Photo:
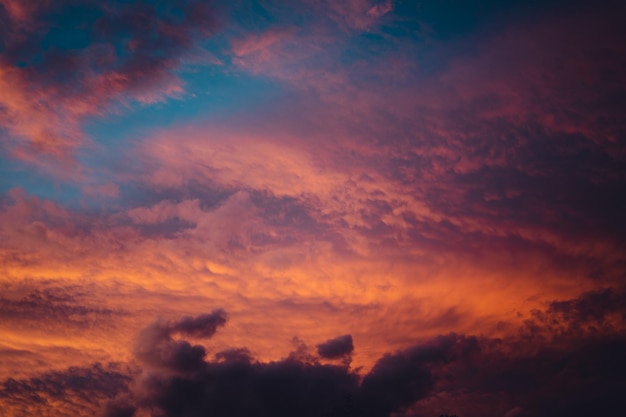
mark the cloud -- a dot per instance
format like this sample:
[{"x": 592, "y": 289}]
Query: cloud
[
  {"x": 264, "y": 252},
  {"x": 63, "y": 61},
  {"x": 75, "y": 391},
  {"x": 592, "y": 306},
  {"x": 403, "y": 189},
  {"x": 201, "y": 326},
  {"x": 398, "y": 380},
  {"x": 156, "y": 347},
  {"x": 568, "y": 365},
  {"x": 508, "y": 376},
  {"x": 234, "y": 384},
  {"x": 450, "y": 374},
  {"x": 498, "y": 142},
  {"x": 358, "y": 15},
  {"x": 594, "y": 313},
  {"x": 53, "y": 305},
  {"x": 337, "y": 348}
]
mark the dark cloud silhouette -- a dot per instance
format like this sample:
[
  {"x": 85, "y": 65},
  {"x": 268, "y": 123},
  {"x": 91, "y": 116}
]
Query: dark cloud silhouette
[
  {"x": 397, "y": 381},
  {"x": 578, "y": 379},
  {"x": 592, "y": 314},
  {"x": 591, "y": 306},
  {"x": 204, "y": 325},
  {"x": 240, "y": 388},
  {"x": 234, "y": 355},
  {"x": 452, "y": 374},
  {"x": 156, "y": 347},
  {"x": 564, "y": 362},
  {"x": 336, "y": 348},
  {"x": 178, "y": 381}
]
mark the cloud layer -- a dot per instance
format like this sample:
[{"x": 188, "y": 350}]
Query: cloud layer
[{"x": 406, "y": 207}]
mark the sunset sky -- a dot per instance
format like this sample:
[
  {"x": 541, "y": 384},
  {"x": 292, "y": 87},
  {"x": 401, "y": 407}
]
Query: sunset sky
[{"x": 307, "y": 208}]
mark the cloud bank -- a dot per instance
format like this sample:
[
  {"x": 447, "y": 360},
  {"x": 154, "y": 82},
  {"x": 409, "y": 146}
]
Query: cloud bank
[{"x": 572, "y": 373}]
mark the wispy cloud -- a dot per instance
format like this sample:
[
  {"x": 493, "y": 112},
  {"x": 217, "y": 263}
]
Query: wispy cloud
[{"x": 62, "y": 62}]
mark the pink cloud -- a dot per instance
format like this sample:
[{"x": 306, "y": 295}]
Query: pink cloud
[
  {"x": 42, "y": 111},
  {"x": 257, "y": 43},
  {"x": 187, "y": 210}
]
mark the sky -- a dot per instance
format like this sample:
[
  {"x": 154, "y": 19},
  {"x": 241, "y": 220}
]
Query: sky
[{"x": 351, "y": 208}]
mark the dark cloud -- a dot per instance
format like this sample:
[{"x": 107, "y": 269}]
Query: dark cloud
[
  {"x": 179, "y": 382},
  {"x": 74, "y": 391},
  {"x": 452, "y": 374},
  {"x": 234, "y": 355},
  {"x": 592, "y": 306},
  {"x": 203, "y": 325},
  {"x": 579, "y": 379},
  {"x": 397, "y": 381},
  {"x": 564, "y": 362},
  {"x": 119, "y": 408},
  {"x": 157, "y": 348},
  {"x": 54, "y": 305},
  {"x": 240, "y": 388},
  {"x": 592, "y": 314},
  {"x": 336, "y": 348}
]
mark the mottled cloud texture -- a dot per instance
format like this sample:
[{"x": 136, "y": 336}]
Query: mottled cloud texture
[{"x": 403, "y": 207}]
